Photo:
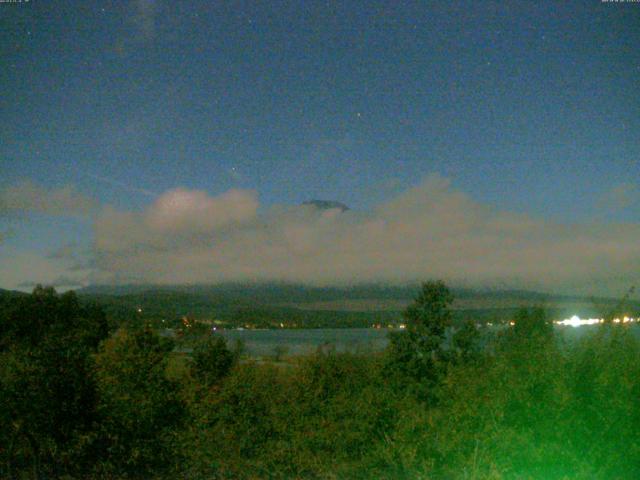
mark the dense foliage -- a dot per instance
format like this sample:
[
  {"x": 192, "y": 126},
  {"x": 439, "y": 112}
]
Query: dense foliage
[{"x": 79, "y": 401}]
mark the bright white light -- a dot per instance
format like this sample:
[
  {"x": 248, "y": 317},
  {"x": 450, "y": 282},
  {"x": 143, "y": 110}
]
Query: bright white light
[{"x": 576, "y": 321}]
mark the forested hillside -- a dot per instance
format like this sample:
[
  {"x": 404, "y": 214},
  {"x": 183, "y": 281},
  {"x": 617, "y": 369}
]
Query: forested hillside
[{"x": 297, "y": 306}]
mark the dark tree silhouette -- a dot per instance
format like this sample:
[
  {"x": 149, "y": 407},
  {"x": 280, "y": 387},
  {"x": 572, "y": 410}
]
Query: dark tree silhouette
[
  {"x": 47, "y": 390},
  {"x": 419, "y": 351},
  {"x": 212, "y": 360}
]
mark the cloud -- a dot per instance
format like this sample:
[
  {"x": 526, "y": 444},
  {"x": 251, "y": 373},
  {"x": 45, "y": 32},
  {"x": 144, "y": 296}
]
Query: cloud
[
  {"x": 28, "y": 197},
  {"x": 430, "y": 230},
  {"x": 76, "y": 258},
  {"x": 65, "y": 252},
  {"x": 194, "y": 211},
  {"x": 177, "y": 218},
  {"x": 21, "y": 269}
]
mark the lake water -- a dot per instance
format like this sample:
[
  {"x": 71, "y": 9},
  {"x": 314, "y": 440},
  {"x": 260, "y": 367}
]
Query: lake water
[{"x": 303, "y": 341}]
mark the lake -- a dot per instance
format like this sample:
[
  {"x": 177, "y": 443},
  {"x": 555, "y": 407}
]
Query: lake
[
  {"x": 304, "y": 341},
  {"x": 301, "y": 341}
]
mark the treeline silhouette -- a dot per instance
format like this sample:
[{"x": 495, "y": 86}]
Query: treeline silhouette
[{"x": 81, "y": 397}]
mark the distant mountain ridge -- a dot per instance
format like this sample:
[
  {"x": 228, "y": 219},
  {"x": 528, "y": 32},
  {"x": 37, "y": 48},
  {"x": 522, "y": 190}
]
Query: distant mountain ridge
[
  {"x": 270, "y": 303},
  {"x": 278, "y": 292}
]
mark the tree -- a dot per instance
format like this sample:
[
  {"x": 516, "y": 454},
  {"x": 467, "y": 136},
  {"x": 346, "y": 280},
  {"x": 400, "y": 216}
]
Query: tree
[
  {"x": 532, "y": 325},
  {"x": 47, "y": 388},
  {"x": 465, "y": 342},
  {"x": 212, "y": 360},
  {"x": 140, "y": 408},
  {"x": 418, "y": 351}
]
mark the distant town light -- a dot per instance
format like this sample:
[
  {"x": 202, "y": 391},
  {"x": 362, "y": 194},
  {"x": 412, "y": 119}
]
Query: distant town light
[{"x": 576, "y": 321}]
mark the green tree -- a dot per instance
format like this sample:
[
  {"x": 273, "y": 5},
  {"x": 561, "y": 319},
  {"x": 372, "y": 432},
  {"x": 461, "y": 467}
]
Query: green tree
[{"x": 419, "y": 350}]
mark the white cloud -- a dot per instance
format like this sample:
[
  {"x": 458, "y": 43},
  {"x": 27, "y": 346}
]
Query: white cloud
[
  {"x": 176, "y": 219},
  {"x": 428, "y": 231},
  {"x": 194, "y": 211}
]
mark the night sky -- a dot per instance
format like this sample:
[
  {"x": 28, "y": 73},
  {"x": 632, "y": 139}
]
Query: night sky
[{"x": 486, "y": 143}]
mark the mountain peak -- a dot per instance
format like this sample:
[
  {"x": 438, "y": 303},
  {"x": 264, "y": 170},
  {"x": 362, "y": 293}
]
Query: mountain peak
[{"x": 326, "y": 204}]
